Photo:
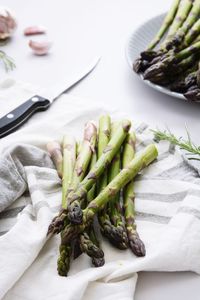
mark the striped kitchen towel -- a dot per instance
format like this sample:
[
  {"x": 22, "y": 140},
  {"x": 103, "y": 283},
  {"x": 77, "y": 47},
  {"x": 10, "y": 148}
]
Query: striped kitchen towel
[{"x": 167, "y": 215}]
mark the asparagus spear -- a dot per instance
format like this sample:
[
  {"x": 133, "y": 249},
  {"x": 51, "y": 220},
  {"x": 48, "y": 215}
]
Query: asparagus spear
[
  {"x": 86, "y": 242},
  {"x": 115, "y": 211},
  {"x": 106, "y": 226},
  {"x": 141, "y": 160},
  {"x": 55, "y": 152},
  {"x": 87, "y": 148},
  {"x": 103, "y": 139},
  {"x": 69, "y": 155},
  {"x": 192, "y": 34},
  {"x": 100, "y": 261},
  {"x": 165, "y": 25},
  {"x": 136, "y": 244},
  {"x": 191, "y": 19}
]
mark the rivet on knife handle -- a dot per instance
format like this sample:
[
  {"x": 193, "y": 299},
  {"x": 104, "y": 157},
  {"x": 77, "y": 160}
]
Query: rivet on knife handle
[{"x": 18, "y": 116}]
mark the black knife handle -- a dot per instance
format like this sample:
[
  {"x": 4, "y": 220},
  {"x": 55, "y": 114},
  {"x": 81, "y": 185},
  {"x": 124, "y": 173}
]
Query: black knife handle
[{"x": 19, "y": 115}]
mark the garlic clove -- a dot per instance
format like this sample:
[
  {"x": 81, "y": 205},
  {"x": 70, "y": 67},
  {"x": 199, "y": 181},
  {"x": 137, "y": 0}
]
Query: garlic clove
[
  {"x": 32, "y": 30},
  {"x": 40, "y": 48}
]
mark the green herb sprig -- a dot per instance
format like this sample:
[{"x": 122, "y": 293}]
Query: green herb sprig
[
  {"x": 185, "y": 144},
  {"x": 7, "y": 61}
]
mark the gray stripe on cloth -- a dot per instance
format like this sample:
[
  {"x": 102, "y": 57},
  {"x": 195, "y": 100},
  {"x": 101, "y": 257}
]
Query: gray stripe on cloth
[
  {"x": 174, "y": 197},
  {"x": 190, "y": 211},
  {"x": 181, "y": 171},
  {"x": 11, "y": 213},
  {"x": 152, "y": 218}
]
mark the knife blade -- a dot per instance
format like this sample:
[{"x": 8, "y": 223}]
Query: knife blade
[{"x": 41, "y": 101}]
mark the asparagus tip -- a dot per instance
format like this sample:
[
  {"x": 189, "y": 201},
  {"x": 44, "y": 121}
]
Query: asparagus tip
[
  {"x": 98, "y": 262},
  {"x": 193, "y": 95},
  {"x": 137, "y": 246},
  {"x": 75, "y": 214}
]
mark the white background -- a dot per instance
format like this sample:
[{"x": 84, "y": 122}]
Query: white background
[{"x": 80, "y": 30}]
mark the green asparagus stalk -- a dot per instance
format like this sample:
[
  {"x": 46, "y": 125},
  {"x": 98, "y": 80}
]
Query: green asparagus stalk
[
  {"x": 85, "y": 242},
  {"x": 106, "y": 226},
  {"x": 69, "y": 156},
  {"x": 83, "y": 160},
  {"x": 136, "y": 244},
  {"x": 96, "y": 261},
  {"x": 103, "y": 139},
  {"x": 165, "y": 25},
  {"x": 55, "y": 152},
  {"x": 115, "y": 211},
  {"x": 100, "y": 261},
  {"x": 141, "y": 160},
  {"x": 192, "y": 34}
]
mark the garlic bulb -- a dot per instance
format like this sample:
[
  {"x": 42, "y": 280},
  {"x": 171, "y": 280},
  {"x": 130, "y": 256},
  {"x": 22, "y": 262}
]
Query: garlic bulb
[{"x": 7, "y": 23}]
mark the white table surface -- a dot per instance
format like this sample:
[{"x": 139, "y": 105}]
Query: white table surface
[{"x": 79, "y": 30}]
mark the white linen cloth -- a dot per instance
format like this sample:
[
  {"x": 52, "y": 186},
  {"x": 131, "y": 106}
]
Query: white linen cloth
[{"x": 167, "y": 205}]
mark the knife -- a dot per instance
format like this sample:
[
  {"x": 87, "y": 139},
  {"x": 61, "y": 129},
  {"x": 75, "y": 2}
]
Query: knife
[{"x": 15, "y": 118}]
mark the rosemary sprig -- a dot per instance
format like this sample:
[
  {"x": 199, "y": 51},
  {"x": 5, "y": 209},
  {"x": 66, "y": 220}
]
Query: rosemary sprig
[
  {"x": 185, "y": 144},
  {"x": 7, "y": 61}
]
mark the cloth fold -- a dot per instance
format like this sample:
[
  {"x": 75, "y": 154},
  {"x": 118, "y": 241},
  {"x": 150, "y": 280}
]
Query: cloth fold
[
  {"x": 167, "y": 214},
  {"x": 12, "y": 173}
]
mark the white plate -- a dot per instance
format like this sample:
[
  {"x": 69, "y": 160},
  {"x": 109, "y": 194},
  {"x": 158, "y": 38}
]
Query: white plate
[{"x": 138, "y": 42}]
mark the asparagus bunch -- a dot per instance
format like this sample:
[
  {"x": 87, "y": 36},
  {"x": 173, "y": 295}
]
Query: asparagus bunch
[
  {"x": 141, "y": 160},
  {"x": 91, "y": 187},
  {"x": 174, "y": 50}
]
